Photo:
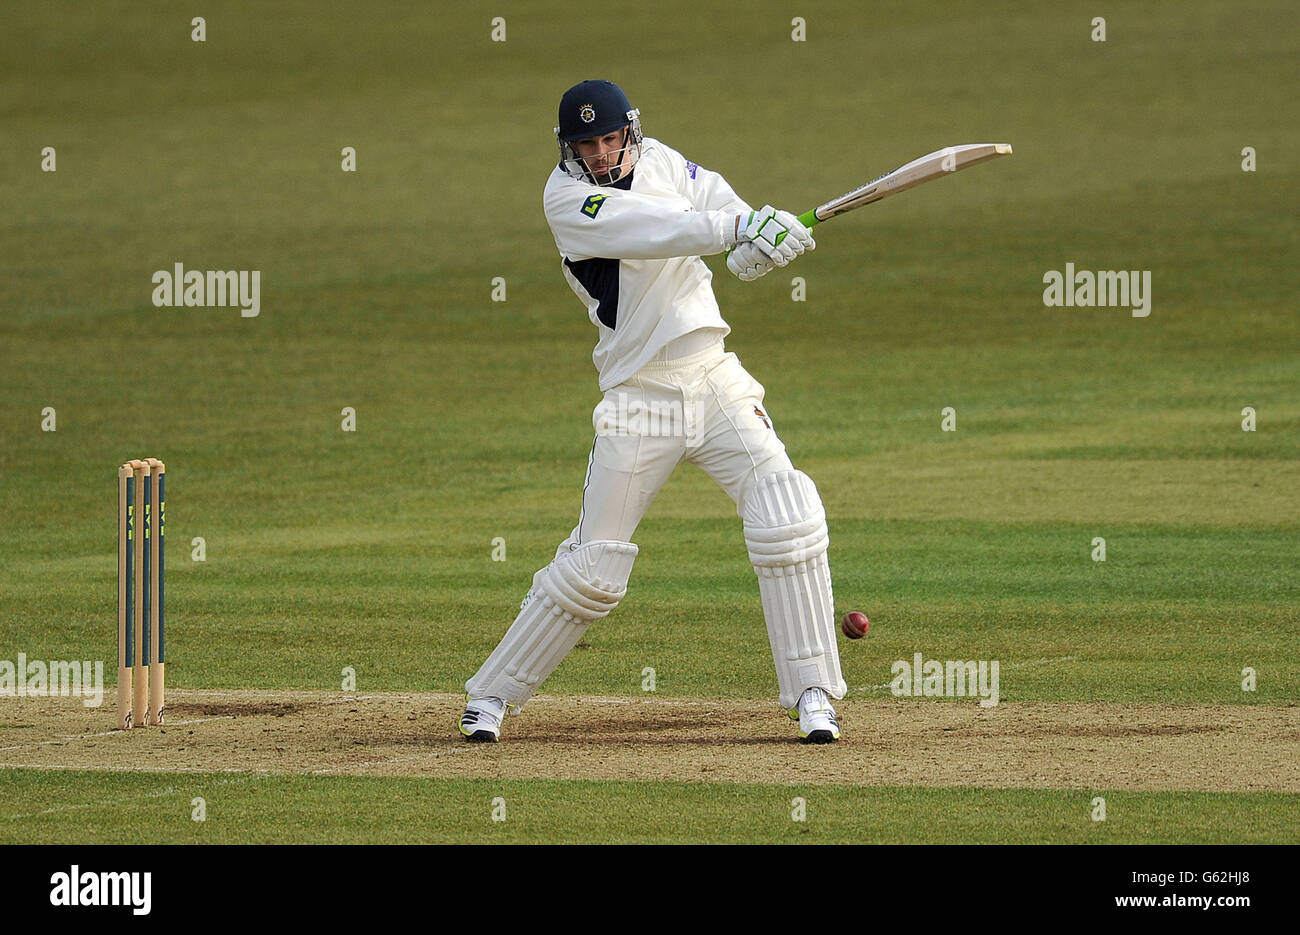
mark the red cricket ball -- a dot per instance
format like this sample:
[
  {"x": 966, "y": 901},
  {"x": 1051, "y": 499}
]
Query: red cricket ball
[{"x": 855, "y": 625}]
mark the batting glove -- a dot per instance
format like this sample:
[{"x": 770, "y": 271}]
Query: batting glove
[
  {"x": 771, "y": 231},
  {"x": 748, "y": 262},
  {"x": 797, "y": 230}
]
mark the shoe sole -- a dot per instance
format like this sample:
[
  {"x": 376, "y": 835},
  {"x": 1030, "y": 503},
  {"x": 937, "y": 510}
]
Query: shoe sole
[
  {"x": 819, "y": 736},
  {"x": 479, "y": 736}
]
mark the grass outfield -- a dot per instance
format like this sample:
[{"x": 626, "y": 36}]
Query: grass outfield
[
  {"x": 372, "y": 550},
  {"x": 1173, "y": 615},
  {"x": 104, "y": 808}
]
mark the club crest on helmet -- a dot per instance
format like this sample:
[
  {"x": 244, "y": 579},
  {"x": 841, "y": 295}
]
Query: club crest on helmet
[{"x": 593, "y": 109}]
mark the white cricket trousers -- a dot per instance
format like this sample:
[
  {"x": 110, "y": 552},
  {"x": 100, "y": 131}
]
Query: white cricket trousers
[{"x": 704, "y": 408}]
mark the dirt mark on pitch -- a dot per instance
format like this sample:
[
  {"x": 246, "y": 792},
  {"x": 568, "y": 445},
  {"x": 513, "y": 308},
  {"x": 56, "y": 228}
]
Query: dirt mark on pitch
[{"x": 886, "y": 742}]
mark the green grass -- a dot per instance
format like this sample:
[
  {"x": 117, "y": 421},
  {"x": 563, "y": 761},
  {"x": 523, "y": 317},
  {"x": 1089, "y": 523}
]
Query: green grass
[
  {"x": 1172, "y": 615},
  {"x": 104, "y": 808},
  {"x": 372, "y": 549}
]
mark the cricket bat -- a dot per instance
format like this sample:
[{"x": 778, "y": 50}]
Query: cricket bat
[{"x": 918, "y": 171}]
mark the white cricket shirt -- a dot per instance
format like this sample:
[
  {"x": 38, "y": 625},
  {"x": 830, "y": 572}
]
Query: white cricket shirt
[{"x": 633, "y": 256}]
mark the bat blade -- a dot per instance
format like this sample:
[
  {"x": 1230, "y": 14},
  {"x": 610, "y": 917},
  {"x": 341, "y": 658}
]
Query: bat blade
[{"x": 925, "y": 169}]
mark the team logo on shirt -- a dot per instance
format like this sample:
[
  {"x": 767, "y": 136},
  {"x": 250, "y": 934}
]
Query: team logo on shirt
[
  {"x": 587, "y": 113},
  {"x": 691, "y": 167},
  {"x": 762, "y": 415},
  {"x": 591, "y": 207}
]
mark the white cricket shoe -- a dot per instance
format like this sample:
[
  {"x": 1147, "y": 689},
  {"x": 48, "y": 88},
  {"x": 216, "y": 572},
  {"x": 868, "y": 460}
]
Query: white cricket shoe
[
  {"x": 817, "y": 723},
  {"x": 481, "y": 722}
]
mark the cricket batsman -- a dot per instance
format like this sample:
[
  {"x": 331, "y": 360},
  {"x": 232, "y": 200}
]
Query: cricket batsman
[{"x": 631, "y": 218}]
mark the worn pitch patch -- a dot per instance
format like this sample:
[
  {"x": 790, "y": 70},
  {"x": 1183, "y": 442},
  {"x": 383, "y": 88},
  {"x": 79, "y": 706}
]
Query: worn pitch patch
[{"x": 885, "y": 742}]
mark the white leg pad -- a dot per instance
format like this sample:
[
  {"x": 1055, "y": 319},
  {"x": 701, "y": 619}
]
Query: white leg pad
[
  {"x": 785, "y": 530},
  {"x": 567, "y": 595}
]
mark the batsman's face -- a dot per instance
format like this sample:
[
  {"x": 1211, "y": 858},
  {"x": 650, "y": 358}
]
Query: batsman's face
[{"x": 602, "y": 154}]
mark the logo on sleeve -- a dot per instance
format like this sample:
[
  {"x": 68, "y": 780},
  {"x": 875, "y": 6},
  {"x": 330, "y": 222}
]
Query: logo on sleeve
[
  {"x": 591, "y": 207},
  {"x": 691, "y": 167}
]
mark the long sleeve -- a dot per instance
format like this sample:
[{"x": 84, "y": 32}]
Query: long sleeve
[{"x": 608, "y": 222}]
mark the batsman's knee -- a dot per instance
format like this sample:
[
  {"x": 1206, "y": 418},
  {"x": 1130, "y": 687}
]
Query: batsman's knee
[
  {"x": 585, "y": 581},
  {"x": 785, "y": 522},
  {"x": 577, "y": 588}
]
